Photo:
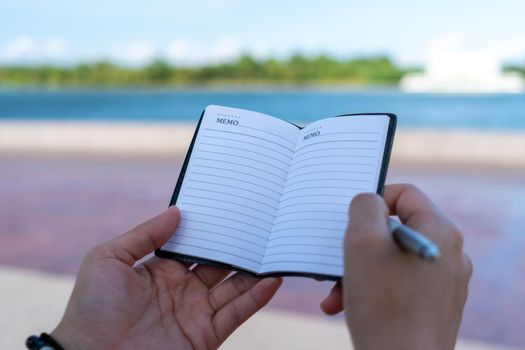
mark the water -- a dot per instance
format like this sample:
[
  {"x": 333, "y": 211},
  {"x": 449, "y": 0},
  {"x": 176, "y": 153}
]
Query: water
[{"x": 498, "y": 111}]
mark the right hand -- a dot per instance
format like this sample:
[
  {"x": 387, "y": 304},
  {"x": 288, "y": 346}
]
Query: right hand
[{"x": 395, "y": 300}]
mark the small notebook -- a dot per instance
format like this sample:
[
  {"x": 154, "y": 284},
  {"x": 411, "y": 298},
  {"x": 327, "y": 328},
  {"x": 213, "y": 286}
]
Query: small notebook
[{"x": 263, "y": 195}]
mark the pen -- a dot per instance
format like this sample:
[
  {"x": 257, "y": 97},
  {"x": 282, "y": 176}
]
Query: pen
[{"x": 413, "y": 241}]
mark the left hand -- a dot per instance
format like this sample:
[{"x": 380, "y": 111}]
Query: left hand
[{"x": 159, "y": 304}]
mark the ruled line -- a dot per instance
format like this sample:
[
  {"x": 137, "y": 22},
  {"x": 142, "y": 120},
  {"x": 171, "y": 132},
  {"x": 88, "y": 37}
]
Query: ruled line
[
  {"x": 224, "y": 226},
  {"x": 325, "y": 164},
  {"x": 300, "y": 262},
  {"x": 264, "y": 229},
  {"x": 307, "y": 254},
  {"x": 328, "y": 179},
  {"x": 331, "y": 172},
  {"x": 253, "y": 136},
  {"x": 329, "y": 156},
  {"x": 304, "y": 245},
  {"x": 251, "y": 159},
  {"x": 239, "y": 164},
  {"x": 325, "y": 187},
  {"x": 309, "y": 219},
  {"x": 236, "y": 178},
  {"x": 318, "y": 203},
  {"x": 229, "y": 202},
  {"x": 346, "y": 141},
  {"x": 219, "y": 234},
  {"x": 217, "y": 242},
  {"x": 267, "y": 132},
  {"x": 249, "y": 143},
  {"x": 303, "y": 236},
  {"x": 351, "y": 133},
  {"x": 245, "y": 150},
  {"x": 216, "y": 250},
  {"x": 237, "y": 188},
  {"x": 314, "y": 195},
  {"x": 226, "y": 210},
  {"x": 311, "y": 211},
  {"x": 239, "y": 172},
  {"x": 307, "y": 228},
  {"x": 234, "y": 195}
]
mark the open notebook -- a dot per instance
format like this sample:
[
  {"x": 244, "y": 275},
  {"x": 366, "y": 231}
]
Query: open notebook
[{"x": 262, "y": 195}]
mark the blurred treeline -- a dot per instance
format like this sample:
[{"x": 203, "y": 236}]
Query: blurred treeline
[
  {"x": 515, "y": 68},
  {"x": 297, "y": 69}
]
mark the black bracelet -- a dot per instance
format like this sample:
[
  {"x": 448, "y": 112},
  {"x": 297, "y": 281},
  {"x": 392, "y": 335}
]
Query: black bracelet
[{"x": 44, "y": 342}]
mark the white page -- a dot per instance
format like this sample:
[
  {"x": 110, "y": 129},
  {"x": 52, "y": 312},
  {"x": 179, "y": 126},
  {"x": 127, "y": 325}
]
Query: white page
[
  {"x": 340, "y": 158},
  {"x": 232, "y": 186}
]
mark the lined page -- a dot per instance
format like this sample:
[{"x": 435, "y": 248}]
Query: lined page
[
  {"x": 334, "y": 160},
  {"x": 232, "y": 186}
]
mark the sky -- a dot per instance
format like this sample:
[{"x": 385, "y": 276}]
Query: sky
[{"x": 134, "y": 32}]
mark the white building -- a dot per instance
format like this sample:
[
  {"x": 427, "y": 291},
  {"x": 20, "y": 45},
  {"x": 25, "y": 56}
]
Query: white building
[{"x": 463, "y": 72}]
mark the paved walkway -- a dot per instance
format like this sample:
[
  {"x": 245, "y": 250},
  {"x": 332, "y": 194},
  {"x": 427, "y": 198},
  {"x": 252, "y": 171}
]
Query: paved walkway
[
  {"x": 55, "y": 208},
  {"x": 32, "y": 302}
]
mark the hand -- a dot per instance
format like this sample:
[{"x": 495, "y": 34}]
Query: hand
[
  {"x": 393, "y": 299},
  {"x": 159, "y": 304}
]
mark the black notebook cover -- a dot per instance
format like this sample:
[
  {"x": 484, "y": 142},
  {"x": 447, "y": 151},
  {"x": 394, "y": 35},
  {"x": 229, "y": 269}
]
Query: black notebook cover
[{"x": 200, "y": 260}]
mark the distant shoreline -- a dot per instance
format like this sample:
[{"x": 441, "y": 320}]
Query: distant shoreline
[
  {"x": 297, "y": 68},
  {"x": 230, "y": 87},
  {"x": 422, "y": 146}
]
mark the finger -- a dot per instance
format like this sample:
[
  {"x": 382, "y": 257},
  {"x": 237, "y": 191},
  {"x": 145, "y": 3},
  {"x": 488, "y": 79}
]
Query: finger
[
  {"x": 409, "y": 202},
  {"x": 144, "y": 238},
  {"x": 230, "y": 289},
  {"x": 210, "y": 275},
  {"x": 416, "y": 210},
  {"x": 367, "y": 219},
  {"x": 236, "y": 312},
  {"x": 469, "y": 267},
  {"x": 333, "y": 303}
]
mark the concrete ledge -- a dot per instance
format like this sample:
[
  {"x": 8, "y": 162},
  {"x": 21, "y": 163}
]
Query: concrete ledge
[
  {"x": 169, "y": 139},
  {"x": 95, "y": 138},
  {"x": 461, "y": 147}
]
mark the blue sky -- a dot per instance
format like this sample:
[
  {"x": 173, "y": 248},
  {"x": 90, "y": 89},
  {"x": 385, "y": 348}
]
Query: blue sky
[{"x": 134, "y": 32}]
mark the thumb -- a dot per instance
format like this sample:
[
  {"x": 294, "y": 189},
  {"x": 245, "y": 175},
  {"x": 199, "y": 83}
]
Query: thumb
[
  {"x": 146, "y": 237},
  {"x": 367, "y": 224}
]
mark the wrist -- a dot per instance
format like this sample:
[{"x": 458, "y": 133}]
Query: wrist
[
  {"x": 397, "y": 342},
  {"x": 71, "y": 338},
  {"x": 394, "y": 338},
  {"x": 395, "y": 345}
]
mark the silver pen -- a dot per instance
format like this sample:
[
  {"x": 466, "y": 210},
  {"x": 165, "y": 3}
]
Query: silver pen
[{"x": 413, "y": 241}]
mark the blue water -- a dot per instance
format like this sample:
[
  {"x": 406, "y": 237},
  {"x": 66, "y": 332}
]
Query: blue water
[{"x": 499, "y": 111}]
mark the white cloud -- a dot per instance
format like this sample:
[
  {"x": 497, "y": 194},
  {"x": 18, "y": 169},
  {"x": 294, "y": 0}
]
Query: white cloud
[
  {"x": 183, "y": 52},
  {"x": 54, "y": 47},
  {"x": 135, "y": 53},
  {"x": 26, "y": 49},
  {"x": 261, "y": 51},
  {"x": 18, "y": 49},
  {"x": 225, "y": 49},
  {"x": 177, "y": 51}
]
